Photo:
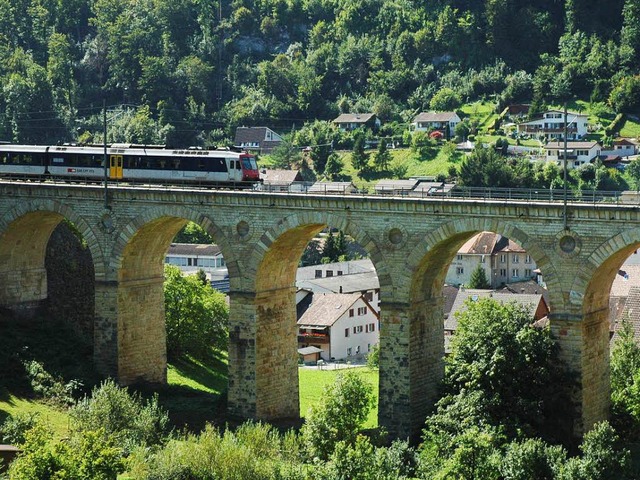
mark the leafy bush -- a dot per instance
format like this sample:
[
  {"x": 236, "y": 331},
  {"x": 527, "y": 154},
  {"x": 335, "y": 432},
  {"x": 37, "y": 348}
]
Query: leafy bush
[
  {"x": 14, "y": 428},
  {"x": 339, "y": 417},
  {"x": 254, "y": 451},
  {"x": 53, "y": 389},
  {"x": 532, "y": 459},
  {"x": 127, "y": 418},
  {"x": 88, "y": 455}
]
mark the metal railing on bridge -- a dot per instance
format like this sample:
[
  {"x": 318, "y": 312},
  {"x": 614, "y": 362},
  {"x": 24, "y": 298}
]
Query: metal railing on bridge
[{"x": 439, "y": 191}]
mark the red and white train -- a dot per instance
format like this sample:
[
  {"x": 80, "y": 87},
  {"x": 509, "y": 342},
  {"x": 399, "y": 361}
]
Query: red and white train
[{"x": 131, "y": 163}]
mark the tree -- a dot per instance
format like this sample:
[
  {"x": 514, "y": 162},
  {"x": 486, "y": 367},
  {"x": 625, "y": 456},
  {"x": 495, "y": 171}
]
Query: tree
[
  {"x": 625, "y": 383},
  {"x": 339, "y": 417},
  {"x": 504, "y": 372},
  {"x": 286, "y": 154},
  {"x": 196, "y": 315},
  {"x": 193, "y": 233},
  {"x": 479, "y": 278},
  {"x": 359, "y": 158},
  {"x": 602, "y": 457},
  {"x": 334, "y": 166},
  {"x": 382, "y": 156},
  {"x": 485, "y": 167},
  {"x": 633, "y": 170},
  {"x": 445, "y": 100}
]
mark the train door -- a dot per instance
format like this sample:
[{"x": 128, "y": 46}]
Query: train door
[{"x": 115, "y": 170}]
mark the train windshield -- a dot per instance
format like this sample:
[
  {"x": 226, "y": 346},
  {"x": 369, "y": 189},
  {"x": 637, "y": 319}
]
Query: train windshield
[{"x": 249, "y": 163}]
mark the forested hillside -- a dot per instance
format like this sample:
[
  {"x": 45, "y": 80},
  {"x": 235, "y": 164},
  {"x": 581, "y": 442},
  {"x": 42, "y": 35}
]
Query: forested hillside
[{"x": 195, "y": 69}]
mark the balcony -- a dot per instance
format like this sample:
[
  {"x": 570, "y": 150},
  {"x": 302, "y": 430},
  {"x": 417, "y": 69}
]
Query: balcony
[{"x": 313, "y": 338}]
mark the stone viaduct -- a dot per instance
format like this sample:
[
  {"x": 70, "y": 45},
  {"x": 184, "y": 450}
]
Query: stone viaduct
[{"x": 262, "y": 235}]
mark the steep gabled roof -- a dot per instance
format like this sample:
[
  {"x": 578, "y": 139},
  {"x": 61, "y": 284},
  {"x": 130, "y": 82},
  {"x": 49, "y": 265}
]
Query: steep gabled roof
[
  {"x": 481, "y": 244},
  {"x": 434, "y": 117},
  {"x": 570, "y": 145},
  {"x": 193, "y": 249},
  {"x": 254, "y": 135},
  {"x": 354, "y": 118},
  {"x": 326, "y": 309},
  {"x": 281, "y": 176}
]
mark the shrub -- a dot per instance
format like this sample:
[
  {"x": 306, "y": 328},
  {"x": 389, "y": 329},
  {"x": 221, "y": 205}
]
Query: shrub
[
  {"x": 88, "y": 455},
  {"x": 14, "y": 428},
  {"x": 52, "y": 389},
  {"x": 254, "y": 451},
  {"x": 339, "y": 417},
  {"x": 126, "y": 417}
]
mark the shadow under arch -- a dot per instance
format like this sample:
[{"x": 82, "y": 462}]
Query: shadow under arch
[
  {"x": 412, "y": 361},
  {"x": 133, "y": 346},
  {"x": 24, "y": 234},
  {"x": 272, "y": 267}
]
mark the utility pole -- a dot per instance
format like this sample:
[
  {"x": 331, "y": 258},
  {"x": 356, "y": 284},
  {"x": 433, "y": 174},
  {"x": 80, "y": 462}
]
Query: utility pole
[
  {"x": 564, "y": 214},
  {"x": 104, "y": 154}
]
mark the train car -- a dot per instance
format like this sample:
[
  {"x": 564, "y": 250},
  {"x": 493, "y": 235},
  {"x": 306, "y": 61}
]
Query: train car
[
  {"x": 23, "y": 160},
  {"x": 132, "y": 163}
]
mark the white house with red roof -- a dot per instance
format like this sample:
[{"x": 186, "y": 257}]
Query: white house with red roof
[{"x": 343, "y": 326}]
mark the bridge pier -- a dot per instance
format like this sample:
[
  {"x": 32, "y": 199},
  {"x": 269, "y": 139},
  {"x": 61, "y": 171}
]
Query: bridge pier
[
  {"x": 411, "y": 364},
  {"x": 129, "y": 331},
  {"x": 263, "y": 356},
  {"x": 584, "y": 349}
]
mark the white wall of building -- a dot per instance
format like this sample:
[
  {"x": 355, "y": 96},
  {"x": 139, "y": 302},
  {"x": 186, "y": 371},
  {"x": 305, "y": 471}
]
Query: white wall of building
[{"x": 363, "y": 328}]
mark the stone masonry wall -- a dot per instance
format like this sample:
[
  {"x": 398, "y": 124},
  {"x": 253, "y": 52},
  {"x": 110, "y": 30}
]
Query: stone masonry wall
[{"x": 398, "y": 233}]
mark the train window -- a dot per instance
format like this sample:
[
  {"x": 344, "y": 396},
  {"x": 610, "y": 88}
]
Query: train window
[
  {"x": 176, "y": 163},
  {"x": 163, "y": 164},
  {"x": 246, "y": 163}
]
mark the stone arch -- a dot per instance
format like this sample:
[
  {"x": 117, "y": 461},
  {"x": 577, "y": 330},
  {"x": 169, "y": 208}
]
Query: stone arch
[
  {"x": 22, "y": 270},
  {"x": 134, "y": 345},
  {"x": 412, "y": 339},
  {"x": 303, "y": 226},
  {"x": 440, "y": 245},
  {"x": 589, "y": 302},
  {"x": 165, "y": 222},
  {"x": 272, "y": 267}
]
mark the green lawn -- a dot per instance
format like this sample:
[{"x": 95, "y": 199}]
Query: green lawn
[
  {"x": 11, "y": 405},
  {"x": 313, "y": 383}
]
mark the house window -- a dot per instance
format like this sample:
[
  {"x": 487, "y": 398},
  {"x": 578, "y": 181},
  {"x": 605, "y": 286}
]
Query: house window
[
  {"x": 368, "y": 347},
  {"x": 576, "y": 163},
  {"x": 329, "y": 273},
  {"x": 503, "y": 258},
  {"x": 348, "y": 351},
  {"x": 362, "y": 311},
  {"x": 527, "y": 259},
  {"x": 459, "y": 270},
  {"x": 503, "y": 272},
  {"x": 372, "y": 327},
  {"x": 339, "y": 272},
  {"x": 346, "y": 332},
  {"x": 189, "y": 262},
  {"x": 369, "y": 296},
  {"x": 459, "y": 257},
  {"x": 527, "y": 272},
  {"x": 357, "y": 329},
  {"x": 358, "y": 349},
  {"x": 515, "y": 273},
  {"x": 351, "y": 312},
  {"x": 516, "y": 258},
  {"x": 318, "y": 273}
]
